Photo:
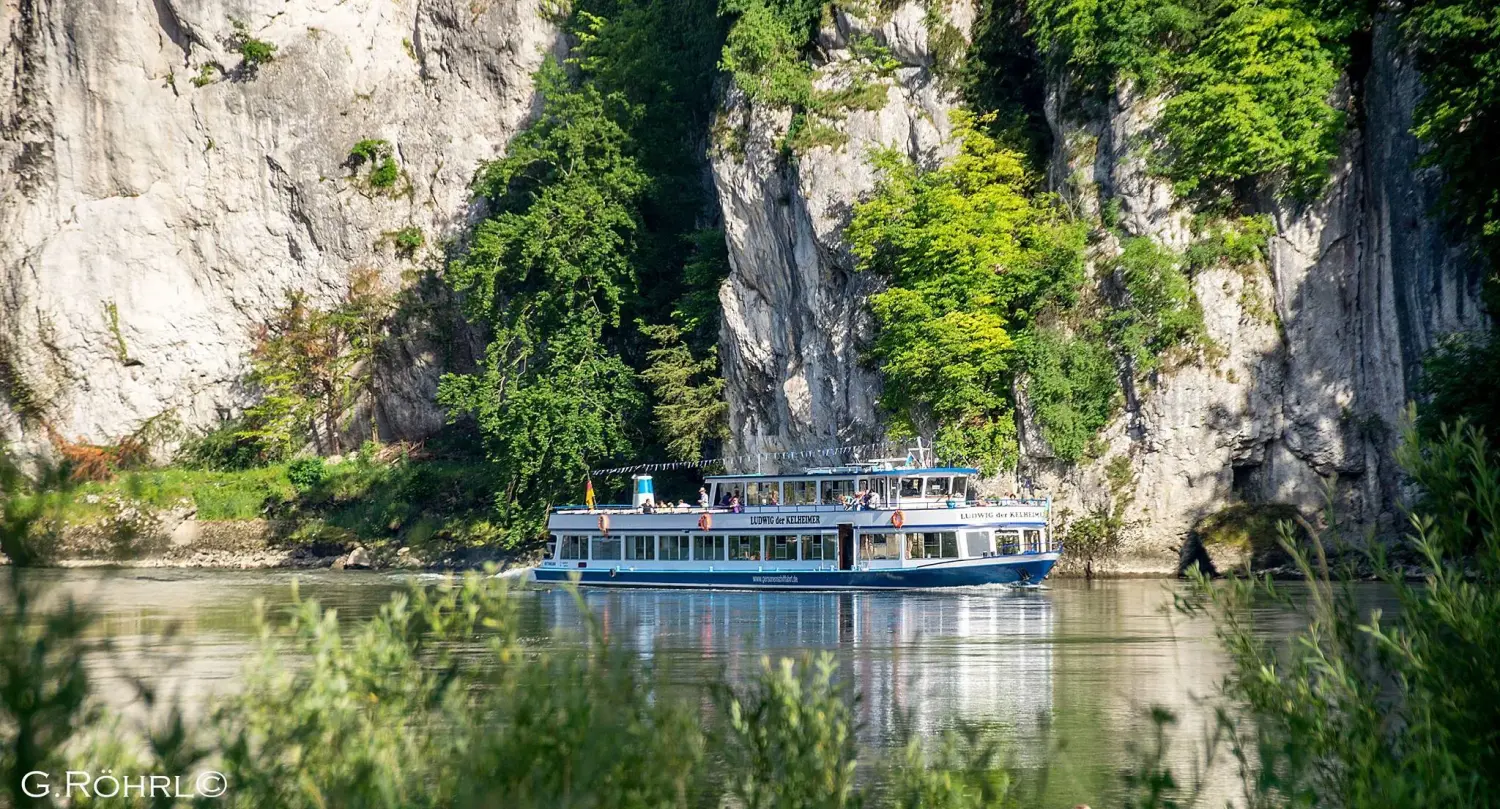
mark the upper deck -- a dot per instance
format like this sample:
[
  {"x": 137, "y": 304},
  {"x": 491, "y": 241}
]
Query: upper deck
[{"x": 933, "y": 498}]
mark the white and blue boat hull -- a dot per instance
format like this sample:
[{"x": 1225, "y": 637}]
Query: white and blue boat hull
[{"x": 1023, "y": 569}]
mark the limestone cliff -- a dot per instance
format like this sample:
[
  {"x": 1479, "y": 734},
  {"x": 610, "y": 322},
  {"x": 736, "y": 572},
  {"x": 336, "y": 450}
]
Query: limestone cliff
[
  {"x": 794, "y": 311},
  {"x": 1316, "y": 353},
  {"x": 154, "y": 210}
]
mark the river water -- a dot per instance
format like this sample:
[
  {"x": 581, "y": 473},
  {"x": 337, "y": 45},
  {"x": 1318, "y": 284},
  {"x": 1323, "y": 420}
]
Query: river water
[{"x": 1064, "y": 674}]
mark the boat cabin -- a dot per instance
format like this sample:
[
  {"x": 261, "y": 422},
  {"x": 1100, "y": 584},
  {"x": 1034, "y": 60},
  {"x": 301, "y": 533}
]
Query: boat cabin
[{"x": 890, "y": 488}]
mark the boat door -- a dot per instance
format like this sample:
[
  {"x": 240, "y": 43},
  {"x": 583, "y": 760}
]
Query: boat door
[{"x": 846, "y": 546}]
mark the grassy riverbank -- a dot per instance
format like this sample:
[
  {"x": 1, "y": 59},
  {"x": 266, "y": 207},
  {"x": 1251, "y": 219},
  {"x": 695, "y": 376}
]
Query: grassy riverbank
[{"x": 434, "y": 506}]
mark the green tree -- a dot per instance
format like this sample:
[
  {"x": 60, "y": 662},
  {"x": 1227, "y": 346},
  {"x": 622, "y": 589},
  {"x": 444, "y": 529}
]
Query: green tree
[
  {"x": 1252, "y": 100},
  {"x": 310, "y": 365},
  {"x": 1458, "y": 114},
  {"x": 972, "y": 256},
  {"x": 547, "y": 273}
]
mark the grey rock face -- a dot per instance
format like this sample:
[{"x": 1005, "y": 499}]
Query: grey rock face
[
  {"x": 794, "y": 313},
  {"x": 1315, "y": 354},
  {"x": 189, "y": 211},
  {"x": 1321, "y": 348}
]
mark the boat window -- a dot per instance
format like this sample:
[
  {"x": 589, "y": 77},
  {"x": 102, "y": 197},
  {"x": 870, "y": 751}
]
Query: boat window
[
  {"x": 1031, "y": 541},
  {"x": 640, "y": 547},
  {"x": 1008, "y": 542},
  {"x": 881, "y": 546},
  {"x": 781, "y": 549},
  {"x": 573, "y": 547},
  {"x": 961, "y": 488},
  {"x": 938, "y": 487},
  {"x": 763, "y": 493},
  {"x": 976, "y": 543},
  {"x": 674, "y": 548},
  {"x": 606, "y": 548},
  {"x": 936, "y": 545},
  {"x": 801, "y": 492},
  {"x": 819, "y": 547},
  {"x": 744, "y": 548},
  {"x": 708, "y": 548},
  {"x": 835, "y": 492},
  {"x": 911, "y": 487}
]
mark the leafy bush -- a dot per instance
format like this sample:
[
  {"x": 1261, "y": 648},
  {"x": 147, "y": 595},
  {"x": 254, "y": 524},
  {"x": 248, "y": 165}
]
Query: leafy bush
[
  {"x": 765, "y": 54},
  {"x": 1161, "y": 311},
  {"x": 1072, "y": 385},
  {"x": 378, "y": 154},
  {"x": 226, "y": 448},
  {"x": 1365, "y": 710},
  {"x": 1238, "y": 242},
  {"x": 1458, "y": 113},
  {"x": 253, "y": 52},
  {"x": 409, "y": 240},
  {"x": 1459, "y": 379},
  {"x": 987, "y": 286},
  {"x": 306, "y": 473},
  {"x": 369, "y": 150},
  {"x": 1252, "y": 101},
  {"x": 206, "y": 73},
  {"x": 791, "y": 736},
  {"x": 385, "y": 174},
  {"x": 1249, "y": 85}
]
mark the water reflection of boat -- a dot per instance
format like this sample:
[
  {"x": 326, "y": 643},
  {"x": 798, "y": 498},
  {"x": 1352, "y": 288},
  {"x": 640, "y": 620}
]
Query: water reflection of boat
[
  {"x": 920, "y": 661},
  {"x": 867, "y": 526}
]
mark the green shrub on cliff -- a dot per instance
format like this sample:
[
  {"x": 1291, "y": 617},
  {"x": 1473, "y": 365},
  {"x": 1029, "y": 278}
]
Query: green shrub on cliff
[
  {"x": 1161, "y": 315},
  {"x": 971, "y": 259},
  {"x": 253, "y": 52},
  {"x": 1458, "y": 113},
  {"x": 1249, "y": 86},
  {"x": 1253, "y": 100},
  {"x": 987, "y": 289}
]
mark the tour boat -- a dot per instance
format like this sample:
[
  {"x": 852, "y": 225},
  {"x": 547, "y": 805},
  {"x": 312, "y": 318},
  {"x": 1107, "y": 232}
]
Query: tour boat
[{"x": 870, "y": 526}]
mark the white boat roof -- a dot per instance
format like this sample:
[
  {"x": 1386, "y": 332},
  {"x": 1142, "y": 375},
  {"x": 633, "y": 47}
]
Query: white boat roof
[{"x": 851, "y": 472}]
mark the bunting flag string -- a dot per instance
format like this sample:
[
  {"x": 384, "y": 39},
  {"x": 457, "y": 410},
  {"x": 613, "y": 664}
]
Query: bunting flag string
[{"x": 854, "y": 451}]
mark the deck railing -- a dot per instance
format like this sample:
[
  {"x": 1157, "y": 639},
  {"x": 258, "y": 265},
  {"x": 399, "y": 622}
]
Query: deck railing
[{"x": 626, "y": 508}]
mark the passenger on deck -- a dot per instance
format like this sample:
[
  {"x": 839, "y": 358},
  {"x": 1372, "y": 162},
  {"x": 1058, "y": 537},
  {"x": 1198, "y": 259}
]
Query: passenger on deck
[
  {"x": 866, "y": 500},
  {"x": 702, "y": 497},
  {"x": 647, "y": 507},
  {"x": 734, "y": 503},
  {"x": 773, "y": 500}
]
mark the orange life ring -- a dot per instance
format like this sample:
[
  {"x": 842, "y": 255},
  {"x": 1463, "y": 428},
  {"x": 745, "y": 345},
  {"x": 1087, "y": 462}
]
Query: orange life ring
[
  {"x": 898, "y": 519},
  {"x": 705, "y": 522},
  {"x": 604, "y": 524}
]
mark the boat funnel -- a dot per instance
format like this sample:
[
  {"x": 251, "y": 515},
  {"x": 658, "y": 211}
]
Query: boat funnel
[{"x": 643, "y": 490}]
